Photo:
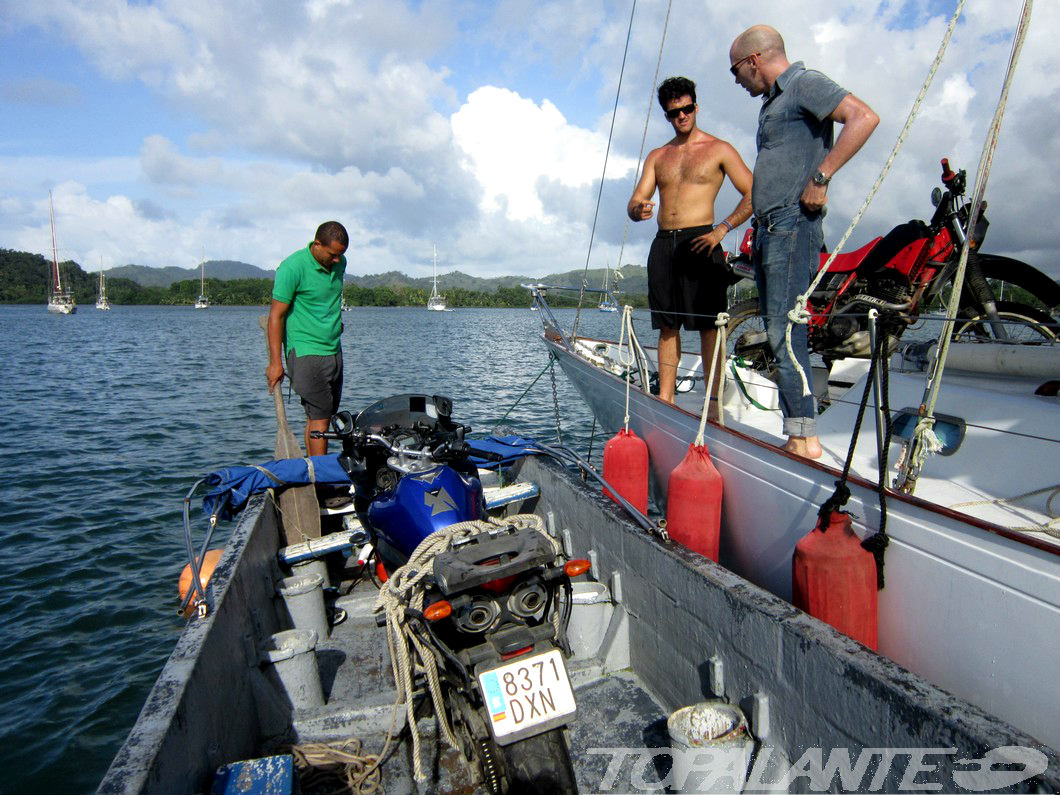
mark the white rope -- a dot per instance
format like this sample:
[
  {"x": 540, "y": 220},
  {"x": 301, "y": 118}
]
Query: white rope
[
  {"x": 923, "y": 441},
  {"x": 799, "y": 314},
  {"x": 406, "y": 588},
  {"x": 626, "y": 335},
  {"x": 721, "y": 322}
]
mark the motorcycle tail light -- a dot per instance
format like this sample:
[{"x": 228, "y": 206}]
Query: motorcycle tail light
[
  {"x": 517, "y": 652},
  {"x": 575, "y": 567},
  {"x": 438, "y": 611},
  {"x": 501, "y": 584}
]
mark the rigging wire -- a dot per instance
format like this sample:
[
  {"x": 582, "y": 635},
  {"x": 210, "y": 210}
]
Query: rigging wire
[
  {"x": 924, "y": 441},
  {"x": 607, "y": 154}
]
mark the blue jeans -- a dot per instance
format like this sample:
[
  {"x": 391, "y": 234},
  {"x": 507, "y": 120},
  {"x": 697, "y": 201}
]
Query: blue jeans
[{"x": 786, "y": 256}]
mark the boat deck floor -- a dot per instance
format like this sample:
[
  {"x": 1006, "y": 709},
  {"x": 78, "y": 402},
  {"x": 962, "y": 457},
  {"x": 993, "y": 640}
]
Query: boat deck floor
[{"x": 614, "y": 710}]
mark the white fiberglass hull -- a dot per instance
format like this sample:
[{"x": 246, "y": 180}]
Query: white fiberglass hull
[{"x": 972, "y": 608}]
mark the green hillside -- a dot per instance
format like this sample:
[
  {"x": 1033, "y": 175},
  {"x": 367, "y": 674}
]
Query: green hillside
[{"x": 24, "y": 279}]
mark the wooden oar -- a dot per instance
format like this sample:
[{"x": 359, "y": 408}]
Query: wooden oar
[{"x": 298, "y": 504}]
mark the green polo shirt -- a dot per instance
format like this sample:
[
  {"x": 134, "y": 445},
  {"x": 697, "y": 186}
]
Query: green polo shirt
[{"x": 314, "y": 321}]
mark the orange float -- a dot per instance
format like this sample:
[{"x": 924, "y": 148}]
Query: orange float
[{"x": 206, "y": 569}]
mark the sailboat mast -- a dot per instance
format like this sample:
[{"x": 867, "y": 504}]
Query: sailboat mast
[{"x": 58, "y": 285}]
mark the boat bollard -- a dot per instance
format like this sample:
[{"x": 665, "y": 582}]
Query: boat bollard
[
  {"x": 590, "y": 616},
  {"x": 711, "y": 748},
  {"x": 314, "y": 566},
  {"x": 292, "y": 654},
  {"x": 303, "y": 596}
]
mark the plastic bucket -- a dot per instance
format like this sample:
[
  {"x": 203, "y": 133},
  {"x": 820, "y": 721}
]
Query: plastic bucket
[
  {"x": 590, "y": 616},
  {"x": 292, "y": 655},
  {"x": 711, "y": 748},
  {"x": 303, "y": 596}
]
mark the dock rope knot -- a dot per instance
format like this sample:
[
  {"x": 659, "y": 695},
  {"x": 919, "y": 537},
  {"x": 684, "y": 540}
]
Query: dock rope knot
[{"x": 404, "y": 592}]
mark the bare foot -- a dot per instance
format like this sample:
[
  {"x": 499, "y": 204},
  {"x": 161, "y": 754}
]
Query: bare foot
[{"x": 804, "y": 446}]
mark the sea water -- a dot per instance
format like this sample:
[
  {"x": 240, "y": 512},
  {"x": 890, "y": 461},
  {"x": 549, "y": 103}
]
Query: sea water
[{"x": 108, "y": 419}]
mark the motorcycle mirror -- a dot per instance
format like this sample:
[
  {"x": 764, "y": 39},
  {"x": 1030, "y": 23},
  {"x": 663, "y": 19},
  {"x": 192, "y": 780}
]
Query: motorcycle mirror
[
  {"x": 936, "y": 197},
  {"x": 342, "y": 422}
]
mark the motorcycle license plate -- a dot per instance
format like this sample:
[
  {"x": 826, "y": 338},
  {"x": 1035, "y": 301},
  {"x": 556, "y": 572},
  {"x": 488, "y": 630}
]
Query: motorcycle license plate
[{"x": 527, "y": 696}]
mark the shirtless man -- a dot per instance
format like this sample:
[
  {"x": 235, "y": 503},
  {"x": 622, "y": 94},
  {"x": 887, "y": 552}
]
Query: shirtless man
[{"x": 685, "y": 285}]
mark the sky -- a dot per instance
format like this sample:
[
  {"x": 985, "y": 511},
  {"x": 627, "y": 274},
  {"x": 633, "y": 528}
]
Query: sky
[{"x": 179, "y": 130}]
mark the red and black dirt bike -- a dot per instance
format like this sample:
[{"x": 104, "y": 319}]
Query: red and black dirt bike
[{"x": 904, "y": 272}]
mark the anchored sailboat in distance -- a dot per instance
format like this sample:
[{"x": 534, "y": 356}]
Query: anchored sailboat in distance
[
  {"x": 202, "y": 302},
  {"x": 608, "y": 302},
  {"x": 101, "y": 302},
  {"x": 436, "y": 303},
  {"x": 60, "y": 300}
]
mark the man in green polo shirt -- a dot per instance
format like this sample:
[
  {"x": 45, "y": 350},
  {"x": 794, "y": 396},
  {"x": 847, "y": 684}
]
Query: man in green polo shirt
[{"x": 306, "y": 318}]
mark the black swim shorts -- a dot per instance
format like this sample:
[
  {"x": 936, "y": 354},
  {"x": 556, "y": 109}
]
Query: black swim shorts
[
  {"x": 685, "y": 288},
  {"x": 318, "y": 381}
]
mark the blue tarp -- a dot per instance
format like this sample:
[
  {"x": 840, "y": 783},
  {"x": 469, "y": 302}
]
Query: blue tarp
[
  {"x": 511, "y": 447},
  {"x": 231, "y": 487}
]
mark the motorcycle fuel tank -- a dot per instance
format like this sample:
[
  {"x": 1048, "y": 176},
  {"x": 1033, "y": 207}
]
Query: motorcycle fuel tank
[{"x": 422, "y": 503}]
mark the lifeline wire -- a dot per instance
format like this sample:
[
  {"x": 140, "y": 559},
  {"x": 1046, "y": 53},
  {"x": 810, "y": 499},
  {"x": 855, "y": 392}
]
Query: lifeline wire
[
  {"x": 924, "y": 440},
  {"x": 799, "y": 313}
]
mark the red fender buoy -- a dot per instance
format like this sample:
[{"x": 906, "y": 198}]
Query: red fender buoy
[
  {"x": 626, "y": 468},
  {"x": 693, "y": 503},
  {"x": 833, "y": 578}
]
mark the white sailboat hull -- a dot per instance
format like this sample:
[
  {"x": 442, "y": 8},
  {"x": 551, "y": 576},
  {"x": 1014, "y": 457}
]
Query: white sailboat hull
[
  {"x": 970, "y": 607},
  {"x": 62, "y": 306}
]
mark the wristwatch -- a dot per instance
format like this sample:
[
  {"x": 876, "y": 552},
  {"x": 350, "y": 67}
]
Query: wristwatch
[{"x": 820, "y": 179}]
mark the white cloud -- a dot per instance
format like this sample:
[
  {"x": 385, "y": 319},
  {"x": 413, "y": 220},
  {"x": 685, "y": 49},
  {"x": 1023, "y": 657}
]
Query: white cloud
[
  {"x": 510, "y": 143},
  {"x": 485, "y": 131}
]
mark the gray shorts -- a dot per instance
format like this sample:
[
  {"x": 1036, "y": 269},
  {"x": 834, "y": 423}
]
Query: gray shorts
[{"x": 318, "y": 381}]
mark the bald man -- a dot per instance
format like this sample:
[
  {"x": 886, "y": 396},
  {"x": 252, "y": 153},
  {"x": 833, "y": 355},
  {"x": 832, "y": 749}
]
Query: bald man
[{"x": 797, "y": 158}]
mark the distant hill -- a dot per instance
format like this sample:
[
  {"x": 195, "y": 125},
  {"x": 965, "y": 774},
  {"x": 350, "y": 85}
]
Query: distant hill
[
  {"x": 223, "y": 269},
  {"x": 24, "y": 279},
  {"x": 633, "y": 281}
]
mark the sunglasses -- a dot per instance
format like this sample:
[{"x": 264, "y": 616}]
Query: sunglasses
[
  {"x": 673, "y": 113},
  {"x": 736, "y": 66}
]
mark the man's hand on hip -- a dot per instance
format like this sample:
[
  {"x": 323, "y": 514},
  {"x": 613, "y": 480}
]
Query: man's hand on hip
[
  {"x": 814, "y": 196},
  {"x": 708, "y": 241}
]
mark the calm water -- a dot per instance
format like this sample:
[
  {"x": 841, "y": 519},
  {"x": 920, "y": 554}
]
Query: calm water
[{"x": 109, "y": 417}]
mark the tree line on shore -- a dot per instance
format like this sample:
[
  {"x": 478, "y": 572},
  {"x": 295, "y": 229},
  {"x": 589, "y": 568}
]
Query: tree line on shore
[{"x": 24, "y": 280}]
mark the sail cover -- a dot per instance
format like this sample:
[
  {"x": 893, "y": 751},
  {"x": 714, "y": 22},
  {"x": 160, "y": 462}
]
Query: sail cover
[{"x": 231, "y": 487}]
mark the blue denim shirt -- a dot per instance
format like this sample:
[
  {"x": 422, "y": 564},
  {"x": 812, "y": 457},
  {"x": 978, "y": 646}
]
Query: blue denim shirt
[{"x": 794, "y": 135}]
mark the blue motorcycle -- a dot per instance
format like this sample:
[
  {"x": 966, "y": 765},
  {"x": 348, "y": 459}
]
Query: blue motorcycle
[{"x": 495, "y": 603}]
